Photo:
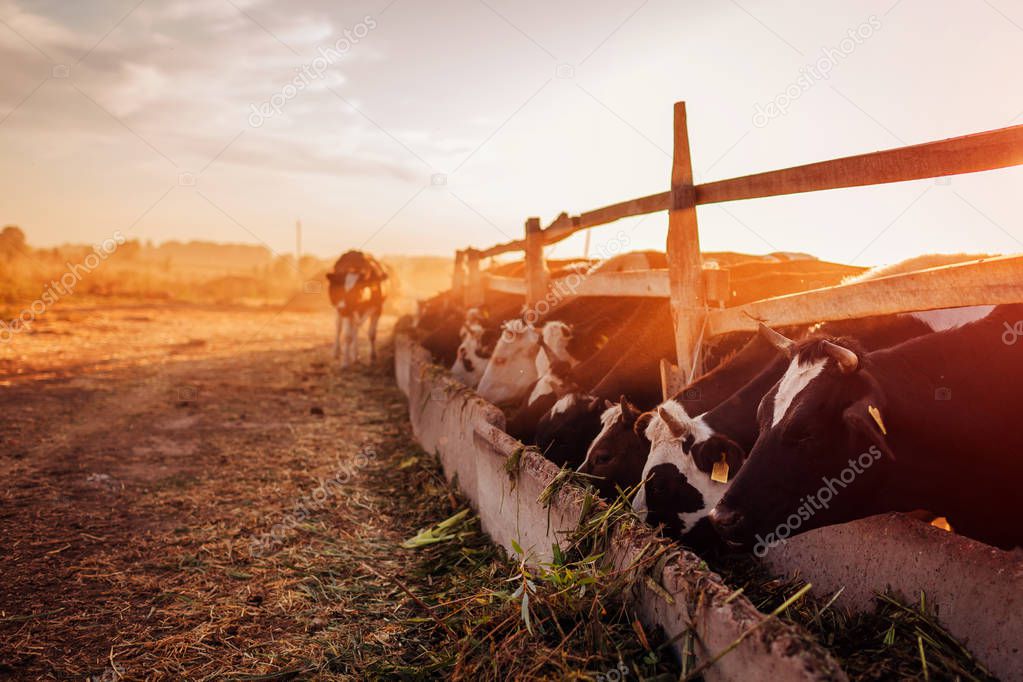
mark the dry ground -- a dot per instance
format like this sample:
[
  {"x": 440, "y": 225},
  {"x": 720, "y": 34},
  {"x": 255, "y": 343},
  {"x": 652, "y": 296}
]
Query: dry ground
[
  {"x": 143, "y": 449},
  {"x": 193, "y": 492}
]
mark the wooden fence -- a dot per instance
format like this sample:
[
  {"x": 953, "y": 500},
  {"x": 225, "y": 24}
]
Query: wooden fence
[{"x": 686, "y": 283}]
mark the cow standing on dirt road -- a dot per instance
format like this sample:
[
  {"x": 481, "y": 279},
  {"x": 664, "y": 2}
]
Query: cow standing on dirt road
[{"x": 357, "y": 292}]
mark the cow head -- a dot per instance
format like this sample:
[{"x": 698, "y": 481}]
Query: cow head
[
  {"x": 678, "y": 489},
  {"x": 554, "y": 346},
  {"x": 821, "y": 456},
  {"x": 469, "y": 362},
  {"x": 616, "y": 457},
  {"x": 557, "y": 381},
  {"x": 434, "y": 312},
  {"x": 476, "y": 317},
  {"x": 512, "y": 367},
  {"x": 474, "y": 351},
  {"x": 571, "y": 422},
  {"x": 553, "y": 363}
]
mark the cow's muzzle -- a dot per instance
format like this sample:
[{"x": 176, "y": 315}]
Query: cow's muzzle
[{"x": 728, "y": 523}]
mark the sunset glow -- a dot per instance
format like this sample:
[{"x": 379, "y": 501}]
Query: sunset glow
[{"x": 421, "y": 128}]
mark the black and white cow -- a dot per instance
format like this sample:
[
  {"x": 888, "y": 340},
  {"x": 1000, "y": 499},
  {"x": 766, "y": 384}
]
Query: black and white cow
[
  {"x": 512, "y": 367},
  {"x": 554, "y": 362},
  {"x": 932, "y": 423},
  {"x": 478, "y": 342},
  {"x": 527, "y": 363},
  {"x": 567, "y": 446},
  {"x": 616, "y": 456},
  {"x": 357, "y": 290},
  {"x": 684, "y": 449}
]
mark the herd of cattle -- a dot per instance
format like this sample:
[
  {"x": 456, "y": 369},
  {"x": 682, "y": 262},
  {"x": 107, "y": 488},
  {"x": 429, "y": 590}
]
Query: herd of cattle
[{"x": 790, "y": 430}]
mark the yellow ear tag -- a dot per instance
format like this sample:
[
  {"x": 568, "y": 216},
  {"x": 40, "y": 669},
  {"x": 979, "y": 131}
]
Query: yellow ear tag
[
  {"x": 601, "y": 341},
  {"x": 720, "y": 471},
  {"x": 876, "y": 414}
]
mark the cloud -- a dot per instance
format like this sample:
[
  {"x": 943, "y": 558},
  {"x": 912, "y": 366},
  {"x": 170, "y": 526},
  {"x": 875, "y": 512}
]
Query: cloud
[{"x": 189, "y": 71}]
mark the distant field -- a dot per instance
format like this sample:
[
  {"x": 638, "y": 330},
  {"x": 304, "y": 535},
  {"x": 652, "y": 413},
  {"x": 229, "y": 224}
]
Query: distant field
[{"x": 196, "y": 272}]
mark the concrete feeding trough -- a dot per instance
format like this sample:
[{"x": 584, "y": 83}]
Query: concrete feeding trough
[
  {"x": 467, "y": 434},
  {"x": 975, "y": 589}
]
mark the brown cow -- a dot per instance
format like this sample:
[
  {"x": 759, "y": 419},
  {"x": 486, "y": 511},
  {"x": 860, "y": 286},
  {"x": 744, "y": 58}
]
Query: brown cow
[{"x": 357, "y": 292}]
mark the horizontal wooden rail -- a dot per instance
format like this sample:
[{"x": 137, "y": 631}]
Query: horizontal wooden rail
[
  {"x": 955, "y": 156},
  {"x": 990, "y": 281},
  {"x": 969, "y": 154},
  {"x": 639, "y": 283},
  {"x": 507, "y": 247},
  {"x": 564, "y": 229},
  {"x": 645, "y": 283}
]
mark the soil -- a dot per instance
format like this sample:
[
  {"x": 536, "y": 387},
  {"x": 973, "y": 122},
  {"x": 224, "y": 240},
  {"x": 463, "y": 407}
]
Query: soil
[{"x": 188, "y": 492}]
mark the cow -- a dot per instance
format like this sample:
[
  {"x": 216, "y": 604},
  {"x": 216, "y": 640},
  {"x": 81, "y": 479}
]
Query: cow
[
  {"x": 553, "y": 362},
  {"x": 725, "y": 399},
  {"x": 527, "y": 364},
  {"x": 560, "y": 445},
  {"x": 684, "y": 449},
  {"x": 511, "y": 372},
  {"x": 441, "y": 321},
  {"x": 554, "y": 369},
  {"x": 617, "y": 454},
  {"x": 554, "y": 345},
  {"x": 478, "y": 342},
  {"x": 437, "y": 324},
  {"x": 633, "y": 355},
  {"x": 932, "y": 423},
  {"x": 357, "y": 289}
]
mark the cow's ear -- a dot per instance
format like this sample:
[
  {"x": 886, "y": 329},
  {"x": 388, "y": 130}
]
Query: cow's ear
[
  {"x": 717, "y": 449},
  {"x": 866, "y": 417},
  {"x": 629, "y": 411},
  {"x": 641, "y": 423}
]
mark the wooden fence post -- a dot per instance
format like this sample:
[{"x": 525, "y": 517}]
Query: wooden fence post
[
  {"x": 685, "y": 265},
  {"x": 536, "y": 268},
  {"x": 474, "y": 286},
  {"x": 458, "y": 276}
]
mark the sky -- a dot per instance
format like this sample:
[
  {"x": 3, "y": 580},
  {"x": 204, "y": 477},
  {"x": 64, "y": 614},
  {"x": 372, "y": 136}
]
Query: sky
[{"x": 405, "y": 127}]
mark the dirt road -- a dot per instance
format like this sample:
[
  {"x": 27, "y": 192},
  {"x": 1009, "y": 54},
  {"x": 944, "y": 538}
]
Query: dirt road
[{"x": 178, "y": 484}]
